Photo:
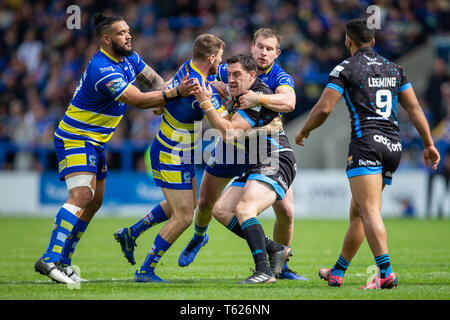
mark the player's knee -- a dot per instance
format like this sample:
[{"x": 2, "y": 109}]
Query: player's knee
[
  {"x": 183, "y": 217},
  {"x": 80, "y": 196},
  {"x": 205, "y": 205},
  {"x": 220, "y": 212},
  {"x": 285, "y": 214},
  {"x": 245, "y": 210}
]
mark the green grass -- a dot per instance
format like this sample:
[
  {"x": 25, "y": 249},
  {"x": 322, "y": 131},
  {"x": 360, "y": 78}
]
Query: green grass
[{"x": 419, "y": 250}]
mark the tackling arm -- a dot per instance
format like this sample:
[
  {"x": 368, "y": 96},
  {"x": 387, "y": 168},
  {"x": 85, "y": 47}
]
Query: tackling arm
[{"x": 282, "y": 101}]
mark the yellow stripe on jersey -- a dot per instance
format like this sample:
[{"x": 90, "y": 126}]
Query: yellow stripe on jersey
[
  {"x": 64, "y": 139},
  {"x": 94, "y": 118},
  {"x": 127, "y": 87},
  {"x": 171, "y": 176},
  {"x": 172, "y": 147},
  {"x": 177, "y": 124},
  {"x": 97, "y": 136},
  {"x": 70, "y": 144},
  {"x": 285, "y": 85},
  {"x": 76, "y": 160},
  {"x": 178, "y": 136},
  {"x": 168, "y": 158}
]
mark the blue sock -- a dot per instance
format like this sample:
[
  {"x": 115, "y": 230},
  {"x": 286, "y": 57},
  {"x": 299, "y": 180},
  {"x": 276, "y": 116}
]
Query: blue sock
[
  {"x": 154, "y": 217},
  {"x": 383, "y": 262},
  {"x": 160, "y": 246},
  {"x": 199, "y": 233},
  {"x": 64, "y": 222},
  {"x": 340, "y": 267},
  {"x": 71, "y": 242}
]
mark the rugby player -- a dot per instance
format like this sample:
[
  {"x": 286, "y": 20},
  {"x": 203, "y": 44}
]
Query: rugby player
[
  {"x": 98, "y": 105},
  {"x": 271, "y": 176},
  {"x": 372, "y": 87},
  {"x": 265, "y": 48},
  {"x": 172, "y": 161}
]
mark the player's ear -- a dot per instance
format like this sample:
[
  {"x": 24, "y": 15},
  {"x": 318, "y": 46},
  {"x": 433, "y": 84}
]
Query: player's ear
[
  {"x": 211, "y": 59},
  {"x": 373, "y": 42},
  {"x": 253, "y": 74},
  {"x": 278, "y": 52}
]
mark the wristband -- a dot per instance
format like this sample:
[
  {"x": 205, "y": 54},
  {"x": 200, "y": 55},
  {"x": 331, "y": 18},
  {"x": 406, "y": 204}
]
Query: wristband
[
  {"x": 164, "y": 95},
  {"x": 263, "y": 99},
  {"x": 204, "y": 102},
  {"x": 209, "y": 109}
]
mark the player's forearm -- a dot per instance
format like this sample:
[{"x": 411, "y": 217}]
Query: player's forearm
[
  {"x": 145, "y": 100},
  {"x": 421, "y": 124},
  {"x": 315, "y": 119},
  {"x": 217, "y": 121},
  {"x": 278, "y": 102}
]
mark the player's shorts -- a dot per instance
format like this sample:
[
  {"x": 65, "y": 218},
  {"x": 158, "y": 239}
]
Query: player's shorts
[
  {"x": 280, "y": 177},
  {"x": 219, "y": 167},
  {"x": 80, "y": 156},
  {"x": 170, "y": 168},
  {"x": 374, "y": 154}
]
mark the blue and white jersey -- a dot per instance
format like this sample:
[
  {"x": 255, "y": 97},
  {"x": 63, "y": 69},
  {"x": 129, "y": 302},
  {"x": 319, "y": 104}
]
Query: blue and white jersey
[{"x": 94, "y": 112}]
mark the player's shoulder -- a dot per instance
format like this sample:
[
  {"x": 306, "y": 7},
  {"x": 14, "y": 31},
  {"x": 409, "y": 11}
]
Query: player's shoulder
[
  {"x": 260, "y": 86},
  {"x": 101, "y": 66}
]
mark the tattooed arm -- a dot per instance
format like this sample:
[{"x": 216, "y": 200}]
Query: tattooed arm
[{"x": 151, "y": 79}]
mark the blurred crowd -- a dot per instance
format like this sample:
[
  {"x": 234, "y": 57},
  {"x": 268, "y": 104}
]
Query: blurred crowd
[{"x": 41, "y": 60}]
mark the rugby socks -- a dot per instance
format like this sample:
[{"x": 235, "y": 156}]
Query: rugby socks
[
  {"x": 272, "y": 246},
  {"x": 384, "y": 264},
  {"x": 340, "y": 267},
  {"x": 235, "y": 227},
  {"x": 254, "y": 234},
  {"x": 71, "y": 242},
  {"x": 63, "y": 224},
  {"x": 160, "y": 246},
  {"x": 199, "y": 233},
  {"x": 154, "y": 217}
]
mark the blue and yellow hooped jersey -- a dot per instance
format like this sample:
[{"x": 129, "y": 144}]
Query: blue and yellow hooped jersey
[
  {"x": 180, "y": 125},
  {"x": 94, "y": 112},
  {"x": 275, "y": 77}
]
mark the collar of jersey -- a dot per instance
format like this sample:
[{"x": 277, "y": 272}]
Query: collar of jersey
[
  {"x": 196, "y": 70},
  {"x": 268, "y": 70},
  {"x": 108, "y": 55}
]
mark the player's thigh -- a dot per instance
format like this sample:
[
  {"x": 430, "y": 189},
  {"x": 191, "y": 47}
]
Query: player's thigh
[
  {"x": 225, "y": 207},
  {"x": 211, "y": 188},
  {"x": 366, "y": 191},
  {"x": 256, "y": 197}
]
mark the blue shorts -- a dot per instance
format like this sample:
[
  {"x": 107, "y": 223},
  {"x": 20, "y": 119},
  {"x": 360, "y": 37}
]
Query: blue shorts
[
  {"x": 79, "y": 156},
  {"x": 171, "y": 169}
]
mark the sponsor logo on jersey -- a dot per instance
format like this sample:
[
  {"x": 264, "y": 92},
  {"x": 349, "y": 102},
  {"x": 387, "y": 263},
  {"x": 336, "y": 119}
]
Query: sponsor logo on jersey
[
  {"x": 187, "y": 176},
  {"x": 116, "y": 85},
  {"x": 110, "y": 68},
  {"x": 336, "y": 71}
]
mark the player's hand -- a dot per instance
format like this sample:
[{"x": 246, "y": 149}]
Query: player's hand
[
  {"x": 249, "y": 99},
  {"x": 432, "y": 157},
  {"x": 159, "y": 110},
  {"x": 221, "y": 88},
  {"x": 275, "y": 125},
  {"x": 188, "y": 87},
  {"x": 204, "y": 92},
  {"x": 300, "y": 137}
]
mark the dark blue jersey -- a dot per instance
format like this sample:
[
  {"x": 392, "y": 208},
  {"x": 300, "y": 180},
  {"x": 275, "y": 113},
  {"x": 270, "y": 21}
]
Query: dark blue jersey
[{"x": 370, "y": 85}]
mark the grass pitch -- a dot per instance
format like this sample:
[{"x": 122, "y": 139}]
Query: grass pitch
[{"x": 419, "y": 251}]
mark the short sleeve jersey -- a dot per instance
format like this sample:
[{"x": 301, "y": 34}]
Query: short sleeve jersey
[
  {"x": 371, "y": 85},
  {"x": 95, "y": 112}
]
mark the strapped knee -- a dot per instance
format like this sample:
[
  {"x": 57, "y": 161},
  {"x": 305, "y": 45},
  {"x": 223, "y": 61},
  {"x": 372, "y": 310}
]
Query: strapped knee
[{"x": 82, "y": 180}]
